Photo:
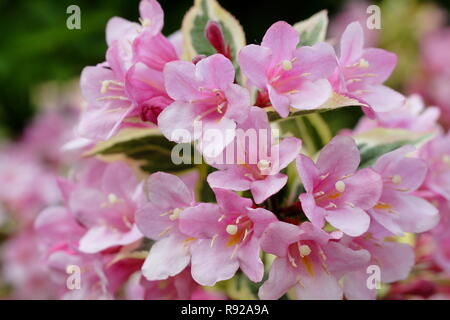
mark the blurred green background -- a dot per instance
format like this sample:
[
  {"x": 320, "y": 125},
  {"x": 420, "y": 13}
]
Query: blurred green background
[{"x": 36, "y": 45}]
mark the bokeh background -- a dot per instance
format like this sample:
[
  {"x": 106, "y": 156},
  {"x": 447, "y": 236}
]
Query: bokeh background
[{"x": 37, "y": 47}]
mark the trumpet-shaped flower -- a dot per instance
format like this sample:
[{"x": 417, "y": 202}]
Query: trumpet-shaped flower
[
  {"x": 336, "y": 191},
  {"x": 398, "y": 210},
  {"x": 293, "y": 77},
  {"x": 228, "y": 234},
  {"x": 307, "y": 259},
  {"x": 392, "y": 260},
  {"x": 206, "y": 100},
  {"x": 437, "y": 153},
  {"x": 362, "y": 71},
  {"x": 159, "y": 219},
  {"x": 104, "y": 199},
  {"x": 256, "y": 167},
  {"x": 119, "y": 89}
]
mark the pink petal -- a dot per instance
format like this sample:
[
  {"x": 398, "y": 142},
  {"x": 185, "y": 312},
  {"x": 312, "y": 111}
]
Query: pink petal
[
  {"x": 280, "y": 102},
  {"x": 355, "y": 286},
  {"x": 232, "y": 203},
  {"x": 278, "y": 236},
  {"x": 407, "y": 214},
  {"x": 167, "y": 257},
  {"x": 181, "y": 82},
  {"x": 282, "y": 39},
  {"x": 287, "y": 150},
  {"x": 249, "y": 260},
  {"x": 271, "y": 184},
  {"x": 168, "y": 191},
  {"x": 311, "y": 95},
  {"x": 351, "y": 221},
  {"x": 323, "y": 286},
  {"x": 201, "y": 221},
  {"x": 318, "y": 61},
  {"x": 143, "y": 83},
  {"x": 341, "y": 259},
  {"x": 261, "y": 218},
  {"x": 381, "y": 64},
  {"x": 119, "y": 179},
  {"x": 352, "y": 43},
  {"x": 314, "y": 213},
  {"x": 176, "y": 122},
  {"x": 117, "y": 28},
  {"x": 232, "y": 179},
  {"x": 308, "y": 172},
  {"x": 238, "y": 100},
  {"x": 281, "y": 279},
  {"x": 153, "y": 16},
  {"x": 254, "y": 62},
  {"x": 383, "y": 99},
  {"x": 340, "y": 157},
  {"x": 363, "y": 189},
  {"x": 211, "y": 264},
  {"x": 216, "y": 135},
  {"x": 100, "y": 238},
  {"x": 412, "y": 171},
  {"x": 216, "y": 71},
  {"x": 153, "y": 50}
]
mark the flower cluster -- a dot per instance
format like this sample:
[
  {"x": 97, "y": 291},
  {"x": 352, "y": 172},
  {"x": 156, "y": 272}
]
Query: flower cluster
[{"x": 315, "y": 223}]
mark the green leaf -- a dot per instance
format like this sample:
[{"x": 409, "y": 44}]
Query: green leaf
[
  {"x": 313, "y": 30},
  {"x": 334, "y": 102},
  {"x": 151, "y": 150},
  {"x": 376, "y": 142}
]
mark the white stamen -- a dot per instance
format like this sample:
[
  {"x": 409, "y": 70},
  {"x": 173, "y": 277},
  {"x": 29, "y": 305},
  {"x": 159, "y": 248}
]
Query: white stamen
[
  {"x": 363, "y": 63},
  {"x": 304, "y": 250},
  {"x": 175, "y": 214},
  {"x": 112, "y": 198},
  {"x": 287, "y": 65},
  {"x": 396, "y": 179},
  {"x": 263, "y": 164},
  {"x": 145, "y": 22},
  {"x": 232, "y": 229},
  {"x": 446, "y": 158},
  {"x": 340, "y": 186}
]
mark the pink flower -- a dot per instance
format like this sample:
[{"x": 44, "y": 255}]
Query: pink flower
[
  {"x": 104, "y": 199},
  {"x": 117, "y": 89},
  {"x": 308, "y": 260},
  {"x": 179, "y": 287},
  {"x": 292, "y": 76},
  {"x": 205, "y": 96},
  {"x": 394, "y": 260},
  {"x": 335, "y": 190},
  {"x": 413, "y": 115},
  {"x": 256, "y": 167},
  {"x": 437, "y": 155},
  {"x": 22, "y": 267},
  {"x": 228, "y": 234},
  {"x": 159, "y": 219},
  {"x": 398, "y": 210},
  {"x": 362, "y": 71},
  {"x": 102, "y": 274}
]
